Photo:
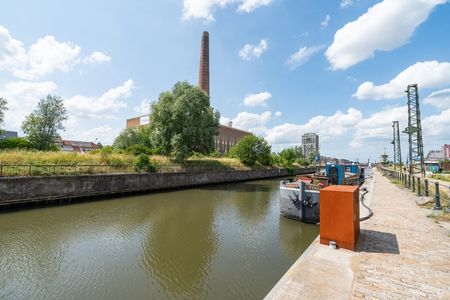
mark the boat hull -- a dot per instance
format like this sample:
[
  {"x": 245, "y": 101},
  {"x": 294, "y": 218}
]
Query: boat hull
[{"x": 300, "y": 204}]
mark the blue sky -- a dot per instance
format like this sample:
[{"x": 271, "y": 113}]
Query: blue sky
[{"x": 279, "y": 68}]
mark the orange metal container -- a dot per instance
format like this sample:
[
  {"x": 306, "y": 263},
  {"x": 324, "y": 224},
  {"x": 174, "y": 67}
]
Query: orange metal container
[{"x": 339, "y": 215}]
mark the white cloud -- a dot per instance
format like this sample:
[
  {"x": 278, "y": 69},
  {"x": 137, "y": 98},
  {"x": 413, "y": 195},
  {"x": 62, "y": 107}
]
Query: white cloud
[
  {"x": 22, "y": 97},
  {"x": 325, "y": 126},
  {"x": 378, "y": 127},
  {"x": 12, "y": 52},
  {"x": 104, "y": 134},
  {"x": 97, "y": 106},
  {"x": 249, "y": 52},
  {"x": 144, "y": 107},
  {"x": 385, "y": 26},
  {"x": 427, "y": 74},
  {"x": 255, "y": 123},
  {"x": 43, "y": 57},
  {"x": 257, "y": 99},
  {"x": 302, "y": 56},
  {"x": 435, "y": 128},
  {"x": 439, "y": 99},
  {"x": 96, "y": 57},
  {"x": 203, "y": 9},
  {"x": 250, "y": 5},
  {"x": 325, "y": 22},
  {"x": 46, "y": 56},
  {"x": 346, "y": 3}
]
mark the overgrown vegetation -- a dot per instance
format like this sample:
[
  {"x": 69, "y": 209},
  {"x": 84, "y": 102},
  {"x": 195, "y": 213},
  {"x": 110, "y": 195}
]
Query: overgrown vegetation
[
  {"x": 443, "y": 177},
  {"x": 438, "y": 216},
  {"x": 252, "y": 150},
  {"x": 42, "y": 126}
]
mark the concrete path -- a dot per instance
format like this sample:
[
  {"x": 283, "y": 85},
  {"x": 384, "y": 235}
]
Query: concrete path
[{"x": 401, "y": 254}]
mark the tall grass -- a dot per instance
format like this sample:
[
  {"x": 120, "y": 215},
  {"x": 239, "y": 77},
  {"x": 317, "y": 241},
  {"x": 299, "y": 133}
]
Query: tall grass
[{"x": 23, "y": 157}]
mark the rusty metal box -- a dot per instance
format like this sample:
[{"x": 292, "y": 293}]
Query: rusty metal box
[{"x": 339, "y": 215}]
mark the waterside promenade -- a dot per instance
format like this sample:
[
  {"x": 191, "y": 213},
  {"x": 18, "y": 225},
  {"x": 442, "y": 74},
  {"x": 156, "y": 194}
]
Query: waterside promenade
[{"x": 401, "y": 254}]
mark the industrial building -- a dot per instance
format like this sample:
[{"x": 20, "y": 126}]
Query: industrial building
[
  {"x": 310, "y": 144},
  {"x": 76, "y": 146},
  {"x": 228, "y": 136},
  {"x": 4, "y": 134},
  {"x": 445, "y": 151}
]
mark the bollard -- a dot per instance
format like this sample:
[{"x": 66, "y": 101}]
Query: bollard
[
  {"x": 418, "y": 186},
  {"x": 413, "y": 184},
  {"x": 426, "y": 187},
  {"x": 437, "y": 197}
]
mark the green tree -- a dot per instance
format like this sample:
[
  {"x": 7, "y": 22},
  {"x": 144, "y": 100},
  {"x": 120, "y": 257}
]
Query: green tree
[
  {"x": 133, "y": 137},
  {"x": 251, "y": 150},
  {"x": 3, "y": 108},
  {"x": 182, "y": 122},
  {"x": 44, "y": 123}
]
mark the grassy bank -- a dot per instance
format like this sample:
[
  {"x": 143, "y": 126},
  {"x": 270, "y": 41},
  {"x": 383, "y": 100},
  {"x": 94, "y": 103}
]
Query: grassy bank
[
  {"x": 48, "y": 163},
  {"x": 443, "y": 177}
]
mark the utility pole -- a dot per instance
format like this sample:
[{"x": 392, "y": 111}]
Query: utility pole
[
  {"x": 396, "y": 143},
  {"x": 414, "y": 131}
]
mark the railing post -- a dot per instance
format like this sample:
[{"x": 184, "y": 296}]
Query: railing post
[
  {"x": 413, "y": 184},
  {"x": 426, "y": 187},
  {"x": 437, "y": 197},
  {"x": 418, "y": 186}
]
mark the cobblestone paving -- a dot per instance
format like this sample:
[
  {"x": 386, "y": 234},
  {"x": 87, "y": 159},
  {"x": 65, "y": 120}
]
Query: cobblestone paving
[{"x": 402, "y": 253}]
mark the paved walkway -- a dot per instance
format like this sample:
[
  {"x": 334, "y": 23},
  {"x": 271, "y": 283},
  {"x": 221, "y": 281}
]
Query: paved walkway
[{"x": 401, "y": 254}]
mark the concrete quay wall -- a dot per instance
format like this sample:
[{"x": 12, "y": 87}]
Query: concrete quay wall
[{"x": 20, "y": 190}]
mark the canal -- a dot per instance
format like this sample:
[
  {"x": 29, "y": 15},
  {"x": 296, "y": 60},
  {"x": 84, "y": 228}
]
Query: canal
[{"x": 216, "y": 242}]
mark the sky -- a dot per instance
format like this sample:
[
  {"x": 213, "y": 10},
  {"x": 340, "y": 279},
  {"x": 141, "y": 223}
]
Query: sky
[{"x": 279, "y": 68}]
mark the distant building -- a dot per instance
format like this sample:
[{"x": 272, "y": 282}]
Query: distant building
[
  {"x": 7, "y": 134},
  {"x": 76, "y": 146},
  {"x": 445, "y": 151},
  {"x": 138, "y": 121},
  {"x": 310, "y": 144},
  {"x": 434, "y": 155},
  {"x": 228, "y": 137}
]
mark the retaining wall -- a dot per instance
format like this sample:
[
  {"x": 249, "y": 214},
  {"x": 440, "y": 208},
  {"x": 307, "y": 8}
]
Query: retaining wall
[{"x": 19, "y": 190}]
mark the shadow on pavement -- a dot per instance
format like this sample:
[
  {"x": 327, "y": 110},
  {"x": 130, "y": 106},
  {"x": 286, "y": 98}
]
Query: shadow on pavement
[{"x": 371, "y": 241}]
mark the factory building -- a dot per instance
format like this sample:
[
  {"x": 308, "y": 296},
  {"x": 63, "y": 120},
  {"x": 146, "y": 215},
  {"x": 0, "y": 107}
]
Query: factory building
[
  {"x": 445, "y": 150},
  {"x": 5, "y": 134},
  {"x": 228, "y": 136},
  {"x": 310, "y": 144}
]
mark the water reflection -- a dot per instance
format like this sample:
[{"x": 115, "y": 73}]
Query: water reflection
[
  {"x": 182, "y": 243},
  {"x": 224, "y": 241},
  {"x": 292, "y": 236}
]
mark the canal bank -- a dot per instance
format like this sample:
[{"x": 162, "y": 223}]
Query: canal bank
[
  {"x": 47, "y": 189},
  {"x": 401, "y": 254}
]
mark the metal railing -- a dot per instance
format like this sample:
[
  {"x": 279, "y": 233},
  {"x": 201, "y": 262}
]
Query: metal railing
[{"x": 411, "y": 182}]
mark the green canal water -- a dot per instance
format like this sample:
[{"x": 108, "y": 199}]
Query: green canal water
[{"x": 216, "y": 242}]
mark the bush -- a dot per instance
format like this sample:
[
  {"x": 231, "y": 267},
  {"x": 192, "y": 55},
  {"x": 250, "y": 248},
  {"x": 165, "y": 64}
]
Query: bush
[
  {"x": 138, "y": 150},
  {"x": 251, "y": 150},
  {"x": 143, "y": 164},
  {"x": 15, "y": 143}
]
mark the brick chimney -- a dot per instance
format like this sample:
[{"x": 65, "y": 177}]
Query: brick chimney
[{"x": 203, "y": 74}]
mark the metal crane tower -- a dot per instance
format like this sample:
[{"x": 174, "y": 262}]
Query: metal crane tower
[
  {"x": 414, "y": 131},
  {"x": 396, "y": 143}
]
